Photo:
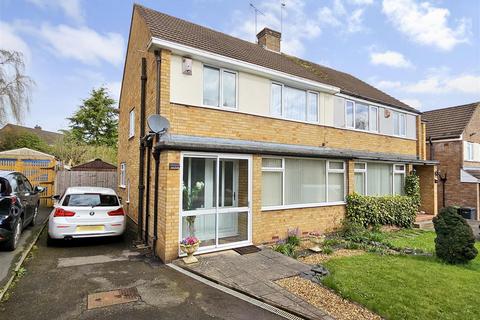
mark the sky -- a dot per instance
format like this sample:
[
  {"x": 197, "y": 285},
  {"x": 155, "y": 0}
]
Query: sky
[{"x": 425, "y": 53}]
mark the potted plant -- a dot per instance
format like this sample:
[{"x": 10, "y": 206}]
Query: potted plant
[
  {"x": 189, "y": 245},
  {"x": 317, "y": 239}
]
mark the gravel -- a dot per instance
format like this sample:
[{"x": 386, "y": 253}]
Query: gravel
[
  {"x": 321, "y": 257},
  {"x": 325, "y": 299}
]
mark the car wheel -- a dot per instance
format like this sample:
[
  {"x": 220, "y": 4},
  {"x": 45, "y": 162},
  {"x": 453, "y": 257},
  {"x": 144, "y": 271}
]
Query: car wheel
[
  {"x": 34, "y": 218},
  {"x": 50, "y": 241},
  {"x": 13, "y": 242}
]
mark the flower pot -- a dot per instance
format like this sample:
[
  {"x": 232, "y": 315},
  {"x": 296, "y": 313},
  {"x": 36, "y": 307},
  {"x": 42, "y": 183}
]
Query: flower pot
[
  {"x": 190, "y": 250},
  {"x": 316, "y": 240}
]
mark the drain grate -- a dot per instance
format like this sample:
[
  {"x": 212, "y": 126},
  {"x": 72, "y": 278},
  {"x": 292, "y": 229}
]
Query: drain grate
[{"x": 109, "y": 298}]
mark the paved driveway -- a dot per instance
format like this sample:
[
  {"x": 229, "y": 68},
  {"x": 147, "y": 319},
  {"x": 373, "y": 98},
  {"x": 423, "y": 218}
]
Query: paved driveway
[
  {"x": 8, "y": 259},
  {"x": 59, "y": 279}
]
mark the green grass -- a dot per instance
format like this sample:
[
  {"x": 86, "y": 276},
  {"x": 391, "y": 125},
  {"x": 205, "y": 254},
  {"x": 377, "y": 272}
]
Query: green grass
[
  {"x": 411, "y": 238},
  {"x": 409, "y": 287}
]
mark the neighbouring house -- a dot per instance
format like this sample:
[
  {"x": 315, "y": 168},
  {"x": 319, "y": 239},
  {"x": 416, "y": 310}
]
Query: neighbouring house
[
  {"x": 49, "y": 137},
  {"x": 94, "y": 165},
  {"x": 259, "y": 141},
  {"x": 453, "y": 138}
]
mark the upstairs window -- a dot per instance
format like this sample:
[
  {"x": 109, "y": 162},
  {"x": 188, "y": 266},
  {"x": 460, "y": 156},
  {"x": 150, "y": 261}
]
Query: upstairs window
[
  {"x": 399, "y": 124},
  {"x": 219, "y": 87},
  {"x": 360, "y": 116},
  {"x": 131, "y": 124},
  {"x": 294, "y": 104}
]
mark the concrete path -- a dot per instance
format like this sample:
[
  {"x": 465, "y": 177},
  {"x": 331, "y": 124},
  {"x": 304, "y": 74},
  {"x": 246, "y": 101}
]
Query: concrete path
[
  {"x": 54, "y": 289},
  {"x": 8, "y": 259},
  {"x": 254, "y": 274}
]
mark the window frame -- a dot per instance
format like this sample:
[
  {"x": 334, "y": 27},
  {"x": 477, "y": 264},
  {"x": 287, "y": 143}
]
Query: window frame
[
  {"x": 376, "y": 119},
  {"x": 369, "y": 117},
  {"x": 282, "y": 102},
  {"x": 470, "y": 156},
  {"x": 123, "y": 175},
  {"x": 131, "y": 124},
  {"x": 396, "y": 123},
  {"x": 363, "y": 172},
  {"x": 220, "y": 88},
  {"x": 394, "y": 171},
  {"x": 284, "y": 206}
]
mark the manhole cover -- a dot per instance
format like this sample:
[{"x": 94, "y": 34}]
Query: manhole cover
[{"x": 109, "y": 298}]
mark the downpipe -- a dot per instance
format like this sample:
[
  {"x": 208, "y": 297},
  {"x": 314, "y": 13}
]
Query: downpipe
[{"x": 141, "y": 186}]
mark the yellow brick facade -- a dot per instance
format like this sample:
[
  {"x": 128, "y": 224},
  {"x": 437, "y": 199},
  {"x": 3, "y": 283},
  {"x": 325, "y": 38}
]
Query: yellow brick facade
[{"x": 187, "y": 120}]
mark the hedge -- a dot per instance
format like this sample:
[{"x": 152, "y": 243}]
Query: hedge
[{"x": 386, "y": 210}]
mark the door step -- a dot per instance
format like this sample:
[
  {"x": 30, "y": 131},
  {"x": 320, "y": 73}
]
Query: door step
[{"x": 424, "y": 225}]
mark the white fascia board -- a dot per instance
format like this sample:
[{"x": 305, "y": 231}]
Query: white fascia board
[
  {"x": 222, "y": 61},
  {"x": 346, "y": 96},
  {"x": 445, "y": 140}
]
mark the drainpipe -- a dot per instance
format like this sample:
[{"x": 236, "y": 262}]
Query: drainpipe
[
  {"x": 148, "y": 143},
  {"x": 141, "y": 186},
  {"x": 156, "y": 154},
  {"x": 432, "y": 150}
]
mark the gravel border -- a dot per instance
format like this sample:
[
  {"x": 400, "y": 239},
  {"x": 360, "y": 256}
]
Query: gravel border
[
  {"x": 319, "y": 258},
  {"x": 325, "y": 299}
]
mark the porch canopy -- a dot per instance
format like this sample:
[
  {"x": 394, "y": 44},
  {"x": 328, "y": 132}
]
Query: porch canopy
[{"x": 196, "y": 143}]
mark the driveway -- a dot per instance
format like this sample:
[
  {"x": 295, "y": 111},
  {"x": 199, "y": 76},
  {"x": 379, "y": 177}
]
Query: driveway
[
  {"x": 8, "y": 259},
  {"x": 59, "y": 280},
  {"x": 475, "y": 224}
]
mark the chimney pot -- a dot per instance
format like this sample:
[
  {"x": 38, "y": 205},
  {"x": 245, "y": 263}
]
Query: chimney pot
[{"x": 269, "y": 39}]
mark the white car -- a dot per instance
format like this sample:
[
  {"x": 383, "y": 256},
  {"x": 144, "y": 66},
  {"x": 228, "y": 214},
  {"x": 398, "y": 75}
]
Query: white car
[{"x": 84, "y": 212}]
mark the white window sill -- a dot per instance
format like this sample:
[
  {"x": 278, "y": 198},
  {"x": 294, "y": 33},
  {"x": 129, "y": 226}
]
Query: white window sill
[{"x": 301, "y": 206}]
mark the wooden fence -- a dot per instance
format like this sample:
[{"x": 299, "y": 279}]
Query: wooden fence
[
  {"x": 40, "y": 172},
  {"x": 65, "y": 179}
]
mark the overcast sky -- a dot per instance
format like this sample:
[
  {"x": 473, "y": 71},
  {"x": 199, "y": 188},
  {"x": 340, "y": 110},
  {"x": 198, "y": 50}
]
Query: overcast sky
[{"x": 426, "y": 54}]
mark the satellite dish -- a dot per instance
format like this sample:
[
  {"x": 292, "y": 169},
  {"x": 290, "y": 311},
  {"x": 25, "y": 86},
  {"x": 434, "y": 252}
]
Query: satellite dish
[{"x": 157, "y": 123}]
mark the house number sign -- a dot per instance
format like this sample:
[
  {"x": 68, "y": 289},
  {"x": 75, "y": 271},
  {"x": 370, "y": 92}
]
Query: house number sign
[{"x": 174, "y": 166}]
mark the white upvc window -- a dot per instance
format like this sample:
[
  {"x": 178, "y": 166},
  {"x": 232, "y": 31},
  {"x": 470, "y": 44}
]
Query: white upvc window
[
  {"x": 360, "y": 172},
  {"x": 294, "y": 104},
  {"x": 399, "y": 124},
  {"x": 469, "y": 152},
  {"x": 379, "y": 178},
  {"x": 373, "y": 119},
  {"x": 301, "y": 182},
  {"x": 361, "y": 116},
  {"x": 131, "y": 124},
  {"x": 219, "y": 87},
  {"x": 123, "y": 174}
]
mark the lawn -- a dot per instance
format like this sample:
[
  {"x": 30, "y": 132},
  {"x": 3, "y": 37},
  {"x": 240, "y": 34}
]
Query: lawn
[{"x": 409, "y": 287}]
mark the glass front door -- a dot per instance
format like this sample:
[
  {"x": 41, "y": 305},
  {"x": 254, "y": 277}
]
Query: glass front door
[{"x": 216, "y": 199}]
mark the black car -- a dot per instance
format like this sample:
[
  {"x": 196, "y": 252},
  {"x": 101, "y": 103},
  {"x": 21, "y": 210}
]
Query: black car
[{"x": 19, "y": 203}]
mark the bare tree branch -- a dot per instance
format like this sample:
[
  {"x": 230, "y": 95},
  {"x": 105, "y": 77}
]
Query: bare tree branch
[{"x": 15, "y": 87}]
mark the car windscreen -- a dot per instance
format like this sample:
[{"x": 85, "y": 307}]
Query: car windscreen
[{"x": 90, "y": 200}]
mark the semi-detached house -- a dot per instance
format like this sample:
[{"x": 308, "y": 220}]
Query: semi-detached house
[{"x": 259, "y": 141}]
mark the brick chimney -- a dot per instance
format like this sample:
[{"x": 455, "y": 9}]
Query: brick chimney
[{"x": 269, "y": 39}]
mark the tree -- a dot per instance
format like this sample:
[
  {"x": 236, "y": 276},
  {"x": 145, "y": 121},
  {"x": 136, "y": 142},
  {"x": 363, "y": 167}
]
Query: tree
[
  {"x": 15, "y": 86},
  {"x": 15, "y": 140},
  {"x": 96, "y": 121},
  {"x": 455, "y": 242}
]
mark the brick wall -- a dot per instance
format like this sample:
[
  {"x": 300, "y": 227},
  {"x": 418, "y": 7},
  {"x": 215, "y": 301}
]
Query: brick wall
[{"x": 428, "y": 189}]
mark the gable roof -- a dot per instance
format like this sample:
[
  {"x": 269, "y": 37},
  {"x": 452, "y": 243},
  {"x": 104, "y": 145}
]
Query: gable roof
[
  {"x": 48, "y": 137},
  {"x": 449, "y": 123},
  {"x": 189, "y": 34},
  {"x": 95, "y": 165},
  {"x": 25, "y": 153}
]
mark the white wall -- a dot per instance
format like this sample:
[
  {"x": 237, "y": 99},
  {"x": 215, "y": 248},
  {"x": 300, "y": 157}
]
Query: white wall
[{"x": 254, "y": 98}]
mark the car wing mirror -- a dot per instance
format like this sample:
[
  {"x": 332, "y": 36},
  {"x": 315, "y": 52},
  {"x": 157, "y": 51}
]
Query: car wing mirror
[
  {"x": 56, "y": 197},
  {"x": 39, "y": 189}
]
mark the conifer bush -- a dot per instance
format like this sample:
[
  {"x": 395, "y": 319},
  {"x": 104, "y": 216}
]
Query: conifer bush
[{"x": 455, "y": 243}]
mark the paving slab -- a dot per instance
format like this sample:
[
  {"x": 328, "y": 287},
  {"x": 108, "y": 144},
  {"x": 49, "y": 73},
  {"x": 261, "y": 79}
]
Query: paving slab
[{"x": 254, "y": 274}]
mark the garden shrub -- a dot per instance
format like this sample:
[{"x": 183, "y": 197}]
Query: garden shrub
[
  {"x": 455, "y": 242},
  {"x": 385, "y": 210},
  {"x": 285, "y": 249},
  {"x": 412, "y": 188}
]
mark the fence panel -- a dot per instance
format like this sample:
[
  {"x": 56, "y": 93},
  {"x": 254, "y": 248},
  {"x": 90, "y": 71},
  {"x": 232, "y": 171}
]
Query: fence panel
[
  {"x": 65, "y": 179},
  {"x": 40, "y": 172}
]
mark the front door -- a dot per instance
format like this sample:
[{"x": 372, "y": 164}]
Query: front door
[{"x": 216, "y": 200}]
